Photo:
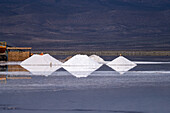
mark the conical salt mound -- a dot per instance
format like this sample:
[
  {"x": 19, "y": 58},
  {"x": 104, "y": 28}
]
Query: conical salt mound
[
  {"x": 45, "y": 59},
  {"x": 121, "y": 61},
  {"x": 81, "y": 65},
  {"x": 121, "y": 64},
  {"x": 97, "y": 59}
]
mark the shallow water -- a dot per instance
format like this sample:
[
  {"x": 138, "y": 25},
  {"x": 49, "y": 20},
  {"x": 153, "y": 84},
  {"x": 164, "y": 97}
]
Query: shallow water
[{"x": 143, "y": 89}]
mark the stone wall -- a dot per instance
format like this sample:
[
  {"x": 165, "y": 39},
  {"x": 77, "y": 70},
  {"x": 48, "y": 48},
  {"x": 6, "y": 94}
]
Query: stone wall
[{"x": 18, "y": 55}]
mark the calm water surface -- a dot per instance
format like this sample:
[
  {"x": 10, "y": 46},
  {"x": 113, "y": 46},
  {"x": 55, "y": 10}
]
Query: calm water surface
[{"x": 143, "y": 89}]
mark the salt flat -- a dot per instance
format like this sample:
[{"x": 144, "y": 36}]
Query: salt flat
[{"x": 143, "y": 89}]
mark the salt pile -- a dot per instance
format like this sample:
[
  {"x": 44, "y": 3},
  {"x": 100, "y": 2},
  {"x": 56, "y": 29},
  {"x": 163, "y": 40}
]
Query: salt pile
[
  {"x": 97, "y": 59},
  {"x": 121, "y": 64},
  {"x": 81, "y": 65},
  {"x": 41, "y": 70},
  {"x": 45, "y": 60}
]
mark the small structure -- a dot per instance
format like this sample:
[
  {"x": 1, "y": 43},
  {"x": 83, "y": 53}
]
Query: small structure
[
  {"x": 18, "y": 53},
  {"x": 13, "y": 53},
  {"x": 2, "y": 47},
  {"x": 3, "y": 53}
]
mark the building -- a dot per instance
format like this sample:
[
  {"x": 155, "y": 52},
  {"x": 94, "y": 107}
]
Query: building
[
  {"x": 2, "y": 47},
  {"x": 3, "y": 54},
  {"x": 18, "y": 53},
  {"x": 14, "y": 53}
]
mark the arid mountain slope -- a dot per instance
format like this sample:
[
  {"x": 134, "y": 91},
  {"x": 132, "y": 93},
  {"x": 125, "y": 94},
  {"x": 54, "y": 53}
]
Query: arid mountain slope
[{"x": 86, "y": 24}]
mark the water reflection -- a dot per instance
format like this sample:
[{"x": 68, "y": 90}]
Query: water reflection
[
  {"x": 42, "y": 70},
  {"x": 3, "y": 67},
  {"x": 75, "y": 70},
  {"x": 81, "y": 71},
  {"x": 15, "y": 68},
  {"x": 4, "y": 78},
  {"x": 11, "y": 68},
  {"x": 122, "y": 68}
]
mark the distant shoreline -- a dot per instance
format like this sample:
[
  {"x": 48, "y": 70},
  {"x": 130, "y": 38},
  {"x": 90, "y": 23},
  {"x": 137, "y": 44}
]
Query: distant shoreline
[{"x": 109, "y": 53}]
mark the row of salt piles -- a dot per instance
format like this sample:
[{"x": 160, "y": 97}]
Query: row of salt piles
[
  {"x": 78, "y": 65},
  {"x": 97, "y": 59}
]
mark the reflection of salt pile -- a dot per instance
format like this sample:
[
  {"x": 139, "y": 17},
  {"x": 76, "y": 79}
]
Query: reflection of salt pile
[
  {"x": 41, "y": 64},
  {"x": 45, "y": 60},
  {"x": 81, "y": 65},
  {"x": 121, "y": 64},
  {"x": 41, "y": 70},
  {"x": 97, "y": 59}
]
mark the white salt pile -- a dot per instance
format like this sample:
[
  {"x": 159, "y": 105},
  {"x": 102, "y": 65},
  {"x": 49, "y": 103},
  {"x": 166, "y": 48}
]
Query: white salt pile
[
  {"x": 45, "y": 60},
  {"x": 81, "y": 65},
  {"x": 41, "y": 70},
  {"x": 49, "y": 59},
  {"x": 97, "y": 59},
  {"x": 121, "y": 64}
]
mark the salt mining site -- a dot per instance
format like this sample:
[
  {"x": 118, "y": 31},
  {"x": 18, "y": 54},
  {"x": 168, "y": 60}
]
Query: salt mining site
[{"x": 78, "y": 65}]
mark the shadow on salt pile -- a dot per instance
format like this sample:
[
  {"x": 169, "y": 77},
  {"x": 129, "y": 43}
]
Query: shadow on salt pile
[
  {"x": 97, "y": 59},
  {"x": 81, "y": 66}
]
